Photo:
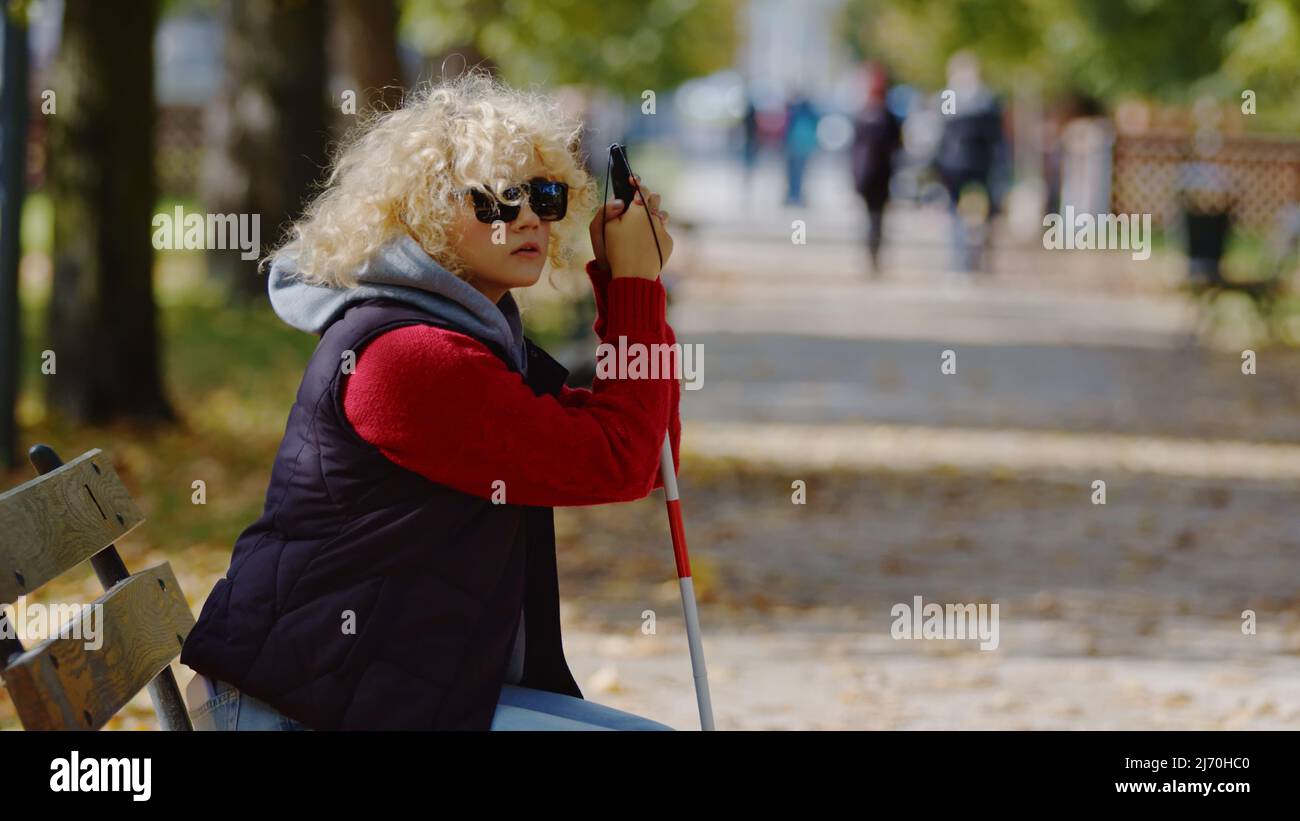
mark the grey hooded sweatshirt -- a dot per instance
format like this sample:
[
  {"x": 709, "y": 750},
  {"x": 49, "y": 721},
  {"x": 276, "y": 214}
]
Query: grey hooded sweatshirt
[{"x": 402, "y": 270}]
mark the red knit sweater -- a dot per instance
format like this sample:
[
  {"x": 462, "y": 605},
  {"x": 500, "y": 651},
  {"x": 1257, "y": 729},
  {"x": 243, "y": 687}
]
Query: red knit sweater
[{"x": 441, "y": 404}]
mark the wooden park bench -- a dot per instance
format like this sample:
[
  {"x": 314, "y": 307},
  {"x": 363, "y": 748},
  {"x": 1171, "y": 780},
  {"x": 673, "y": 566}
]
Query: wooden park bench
[{"x": 49, "y": 525}]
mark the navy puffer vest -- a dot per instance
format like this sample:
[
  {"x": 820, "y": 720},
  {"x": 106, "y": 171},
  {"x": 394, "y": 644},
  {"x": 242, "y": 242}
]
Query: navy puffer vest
[{"x": 367, "y": 596}]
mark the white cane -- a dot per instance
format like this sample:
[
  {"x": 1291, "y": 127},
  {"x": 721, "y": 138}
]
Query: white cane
[{"x": 669, "y": 474}]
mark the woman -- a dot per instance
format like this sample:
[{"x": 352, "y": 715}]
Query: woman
[
  {"x": 402, "y": 574},
  {"x": 877, "y": 135}
]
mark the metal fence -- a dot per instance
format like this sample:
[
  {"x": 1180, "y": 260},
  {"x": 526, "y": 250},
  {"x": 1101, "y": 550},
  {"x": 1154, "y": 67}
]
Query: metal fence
[{"x": 1253, "y": 177}]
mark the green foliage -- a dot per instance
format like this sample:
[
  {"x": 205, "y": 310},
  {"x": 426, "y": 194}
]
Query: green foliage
[
  {"x": 916, "y": 38},
  {"x": 37, "y": 230},
  {"x": 626, "y": 46},
  {"x": 1265, "y": 58},
  {"x": 1163, "y": 49}
]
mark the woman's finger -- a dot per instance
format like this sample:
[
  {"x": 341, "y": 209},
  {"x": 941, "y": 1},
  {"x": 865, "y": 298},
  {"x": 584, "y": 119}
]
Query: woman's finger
[{"x": 618, "y": 212}]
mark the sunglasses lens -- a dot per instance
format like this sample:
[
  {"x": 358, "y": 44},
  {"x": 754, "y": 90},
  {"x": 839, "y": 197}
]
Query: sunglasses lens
[
  {"x": 488, "y": 209},
  {"x": 485, "y": 207},
  {"x": 549, "y": 199},
  {"x": 510, "y": 211}
]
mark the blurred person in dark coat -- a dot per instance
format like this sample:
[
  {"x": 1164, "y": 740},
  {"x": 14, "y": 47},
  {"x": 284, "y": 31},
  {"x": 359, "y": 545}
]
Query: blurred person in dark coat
[
  {"x": 877, "y": 135},
  {"x": 970, "y": 152}
]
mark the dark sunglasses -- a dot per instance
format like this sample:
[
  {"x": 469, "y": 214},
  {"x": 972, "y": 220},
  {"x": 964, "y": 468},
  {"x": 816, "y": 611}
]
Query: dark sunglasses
[{"x": 549, "y": 200}]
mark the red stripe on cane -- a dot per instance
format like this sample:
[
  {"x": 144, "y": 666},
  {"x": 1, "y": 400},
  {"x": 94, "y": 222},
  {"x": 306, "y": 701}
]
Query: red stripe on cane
[{"x": 679, "y": 538}]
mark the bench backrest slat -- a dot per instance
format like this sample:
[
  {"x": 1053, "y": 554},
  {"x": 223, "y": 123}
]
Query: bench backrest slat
[
  {"x": 56, "y": 521},
  {"x": 139, "y": 627}
]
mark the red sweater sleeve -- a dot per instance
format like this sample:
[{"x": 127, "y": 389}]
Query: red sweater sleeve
[
  {"x": 577, "y": 397},
  {"x": 441, "y": 404}
]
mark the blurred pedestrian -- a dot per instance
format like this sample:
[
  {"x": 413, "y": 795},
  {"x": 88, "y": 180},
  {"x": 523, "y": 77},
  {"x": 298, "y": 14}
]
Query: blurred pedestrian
[
  {"x": 970, "y": 150},
  {"x": 877, "y": 135},
  {"x": 749, "y": 135},
  {"x": 750, "y": 143},
  {"x": 800, "y": 143}
]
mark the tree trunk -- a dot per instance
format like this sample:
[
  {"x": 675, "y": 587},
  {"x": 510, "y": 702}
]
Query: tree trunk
[
  {"x": 103, "y": 321},
  {"x": 266, "y": 136},
  {"x": 13, "y": 167},
  {"x": 368, "y": 29}
]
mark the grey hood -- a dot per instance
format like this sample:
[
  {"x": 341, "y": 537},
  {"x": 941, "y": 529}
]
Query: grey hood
[{"x": 401, "y": 270}]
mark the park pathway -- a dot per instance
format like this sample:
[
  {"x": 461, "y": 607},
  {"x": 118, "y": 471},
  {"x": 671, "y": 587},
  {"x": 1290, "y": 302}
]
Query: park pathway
[{"x": 974, "y": 486}]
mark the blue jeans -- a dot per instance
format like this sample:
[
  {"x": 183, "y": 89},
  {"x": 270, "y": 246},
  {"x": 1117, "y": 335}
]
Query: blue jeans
[
  {"x": 230, "y": 709},
  {"x": 522, "y": 708},
  {"x": 519, "y": 708}
]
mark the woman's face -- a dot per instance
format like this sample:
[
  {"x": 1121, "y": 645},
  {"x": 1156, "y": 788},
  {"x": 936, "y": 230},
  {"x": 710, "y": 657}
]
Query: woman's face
[{"x": 501, "y": 256}]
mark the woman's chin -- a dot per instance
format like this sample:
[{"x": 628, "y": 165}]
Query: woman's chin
[{"x": 526, "y": 274}]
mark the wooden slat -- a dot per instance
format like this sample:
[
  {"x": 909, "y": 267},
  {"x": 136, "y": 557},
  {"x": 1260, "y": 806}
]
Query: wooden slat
[
  {"x": 58, "y": 520},
  {"x": 62, "y": 684}
]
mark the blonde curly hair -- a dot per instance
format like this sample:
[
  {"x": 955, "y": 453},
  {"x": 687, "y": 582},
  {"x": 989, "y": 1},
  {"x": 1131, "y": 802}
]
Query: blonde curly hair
[{"x": 404, "y": 170}]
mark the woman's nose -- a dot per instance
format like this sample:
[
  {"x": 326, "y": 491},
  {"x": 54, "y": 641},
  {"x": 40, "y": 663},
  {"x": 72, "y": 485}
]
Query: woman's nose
[{"x": 527, "y": 217}]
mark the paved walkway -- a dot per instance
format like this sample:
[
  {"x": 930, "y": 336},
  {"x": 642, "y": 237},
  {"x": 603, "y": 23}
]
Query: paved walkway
[{"x": 966, "y": 487}]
